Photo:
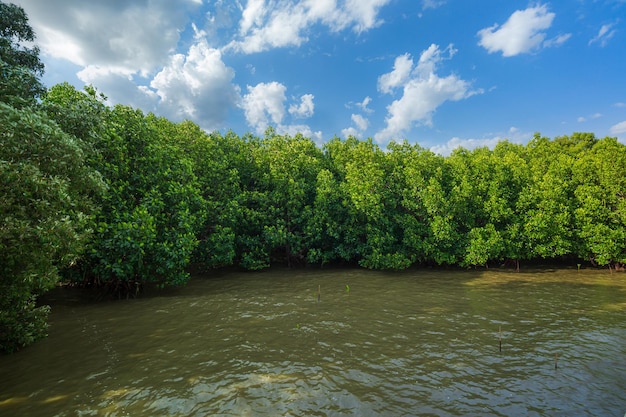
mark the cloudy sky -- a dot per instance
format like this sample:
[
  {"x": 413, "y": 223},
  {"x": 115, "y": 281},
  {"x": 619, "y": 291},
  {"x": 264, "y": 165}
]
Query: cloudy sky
[{"x": 441, "y": 73}]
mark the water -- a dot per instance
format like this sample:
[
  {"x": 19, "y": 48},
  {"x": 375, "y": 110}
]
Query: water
[{"x": 419, "y": 343}]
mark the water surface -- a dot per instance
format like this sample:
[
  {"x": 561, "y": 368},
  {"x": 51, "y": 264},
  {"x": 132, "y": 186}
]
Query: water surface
[{"x": 417, "y": 343}]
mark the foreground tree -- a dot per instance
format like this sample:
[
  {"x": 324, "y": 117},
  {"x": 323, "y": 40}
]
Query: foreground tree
[{"x": 45, "y": 189}]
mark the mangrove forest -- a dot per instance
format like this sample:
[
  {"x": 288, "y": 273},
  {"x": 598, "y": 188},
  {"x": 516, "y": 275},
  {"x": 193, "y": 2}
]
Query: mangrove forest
[{"x": 107, "y": 196}]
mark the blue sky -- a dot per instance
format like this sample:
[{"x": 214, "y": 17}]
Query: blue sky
[{"x": 441, "y": 73}]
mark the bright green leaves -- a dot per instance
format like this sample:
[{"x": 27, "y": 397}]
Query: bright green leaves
[
  {"x": 484, "y": 244},
  {"x": 601, "y": 202}
]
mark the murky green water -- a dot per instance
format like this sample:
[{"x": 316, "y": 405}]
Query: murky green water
[{"x": 390, "y": 344}]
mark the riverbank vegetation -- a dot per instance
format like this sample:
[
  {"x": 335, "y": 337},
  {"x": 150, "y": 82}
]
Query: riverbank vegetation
[{"x": 108, "y": 196}]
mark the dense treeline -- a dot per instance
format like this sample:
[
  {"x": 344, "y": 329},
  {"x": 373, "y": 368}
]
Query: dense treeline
[{"x": 112, "y": 197}]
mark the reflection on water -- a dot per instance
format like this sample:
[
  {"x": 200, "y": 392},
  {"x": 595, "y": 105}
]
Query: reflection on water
[{"x": 395, "y": 344}]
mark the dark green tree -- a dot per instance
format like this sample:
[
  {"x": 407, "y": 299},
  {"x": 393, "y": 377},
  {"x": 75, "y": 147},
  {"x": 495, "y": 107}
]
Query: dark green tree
[
  {"x": 152, "y": 210},
  {"x": 45, "y": 206},
  {"x": 46, "y": 189},
  {"x": 20, "y": 66}
]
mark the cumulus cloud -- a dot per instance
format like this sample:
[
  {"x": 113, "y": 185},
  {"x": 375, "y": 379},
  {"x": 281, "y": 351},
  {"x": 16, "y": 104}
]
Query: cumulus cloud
[
  {"x": 106, "y": 34},
  {"x": 350, "y": 131},
  {"x": 196, "y": 86},
  {"x": 305, "y": 109},
  {"x": 119, "y": 86},
  {"x": 360, "y": 125},
  {"x": 523, "y": 32},
  {"x": 304, "y": 130},
  {"x": 137, "y": 64},
  {"x": 361, "y": 122},
  {"x": 605, "y": 33},
  {"x": 264, "y": 105},
  {"x": 268, "y": 24},
  {"x": 398, "y": 77},
  {"x": 423, "y": 91}
]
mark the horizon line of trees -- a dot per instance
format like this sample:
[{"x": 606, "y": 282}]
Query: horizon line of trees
[{"x": 112, "y": 197}]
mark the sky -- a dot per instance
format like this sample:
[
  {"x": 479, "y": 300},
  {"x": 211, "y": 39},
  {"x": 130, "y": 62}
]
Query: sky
[{"x": 439, "y": 73}]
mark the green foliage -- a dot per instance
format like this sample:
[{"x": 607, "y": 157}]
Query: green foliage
[
  {"x": 20, "y": 66},
  {"x": 213, "y": 160},
  {"x": 44, "y": 216},
  {"x": 276, "y": 202},
  {"x": 600, "y": 196},
  {"x": 153, "y": 209},
  {"x": 547, "y": 204},
  {"x": 79, "y": 113}
]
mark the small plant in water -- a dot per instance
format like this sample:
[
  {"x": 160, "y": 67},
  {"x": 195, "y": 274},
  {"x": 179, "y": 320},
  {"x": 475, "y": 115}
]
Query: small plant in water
[{"x": 347, "y": 289}]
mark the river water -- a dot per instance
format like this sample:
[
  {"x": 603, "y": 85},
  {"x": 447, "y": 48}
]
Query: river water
[{"x": 335, "y": 343}]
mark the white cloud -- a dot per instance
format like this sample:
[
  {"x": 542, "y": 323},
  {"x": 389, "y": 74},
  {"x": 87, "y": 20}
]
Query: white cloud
[
  {"x": 264, "y": 105},
  {"x": 350, "y": 131},
  {"x": 196, "y": 86},
  {"x": 127, "y": 50},
  {"x": 118, "y": 85},
  {"x": 252, "y": 15},
  {"x": 361, "y": 14},
  {"x": 557, "y": 41},
  {"x": 523, "y": 32},
  {"x": 304, "y": 130},
  {"x": 423, "y": 92},
  {"x": 513, "y": 135},
  {"x": 456, "y": 142},
  {"x": 618, "y": 129},
  {"x": 398, "y": 77},
  {"x": 363, "y": 105},
  {"x": 270, "y": 24},
  {"x": 107, "y": 33},
  {"x": 593, "y": 116},
  {"x": 361, "y": 122},
  {"x": 263, "y": 102},
  {"x": 305, "y": 109},
  {"x": 605, "y": 33},
  {"x": 360, "y": 125}
]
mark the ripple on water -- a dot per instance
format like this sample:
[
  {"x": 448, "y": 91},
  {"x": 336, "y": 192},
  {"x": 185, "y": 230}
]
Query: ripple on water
[{"x": 415, "y": 343}]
